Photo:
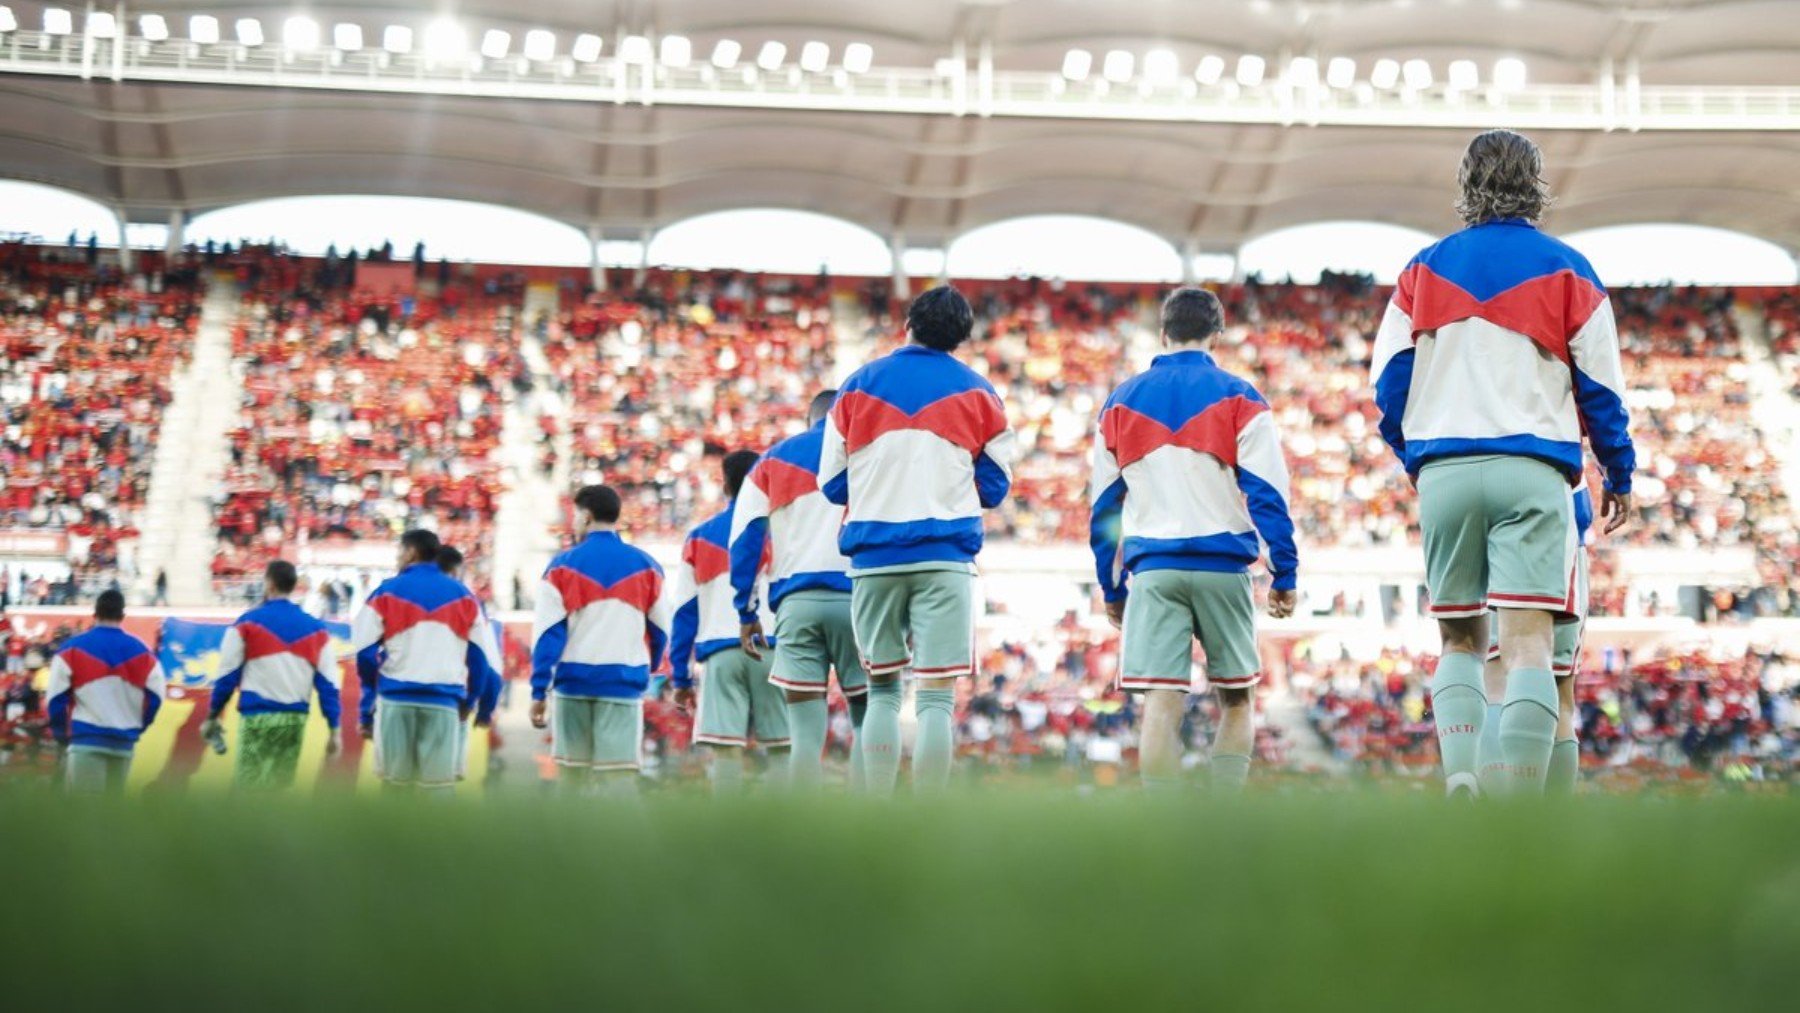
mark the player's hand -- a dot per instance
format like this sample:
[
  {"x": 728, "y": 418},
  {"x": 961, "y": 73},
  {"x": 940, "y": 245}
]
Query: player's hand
[
  {"x": 366, "y": 729},
  {"x": 684, "y": 699},
  {"x": 1615, "y": 509},
  {"x": 540, "y": 713},
  {"x": 1115, "y": 613},
  {"x": 751, "y": 639},
  {"x": 334, "y": 743},
  {"x": 484, "y": 720},
  {"x": 1281, "y": 603}
]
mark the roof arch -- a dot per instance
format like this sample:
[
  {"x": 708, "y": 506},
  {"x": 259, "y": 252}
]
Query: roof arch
[{"x": 1085, "y": 247}]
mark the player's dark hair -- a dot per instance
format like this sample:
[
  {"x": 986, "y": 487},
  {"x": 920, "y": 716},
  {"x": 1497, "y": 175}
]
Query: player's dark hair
[
  {"x": 736, "y": 467},
  {"x": 940, "y": 318},
  {"x": 282, "y": 576},
  {"x": 424, "y": 544},
  {"x": 1502, "y": 176},
  {"x": 1191, "y": 315},
  {"x": 109, "y": 606},
  {"x": 821, "y": 405},
  {"x": 449, "y": 559},
  {"x": 600, "y": 502}
]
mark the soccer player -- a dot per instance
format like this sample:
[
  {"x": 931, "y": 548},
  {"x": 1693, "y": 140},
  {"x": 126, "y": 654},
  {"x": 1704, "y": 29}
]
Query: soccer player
[
  {"x": 600, "y": 631},
  {"x": 420, "y": 643},
  {"x": 1496, "y": 353},
  {"x": 105, "y": 689},
  {"x": 916, "y": 446},
  {"x": 735, "y": 696},
  {"x": 1188, "y": 485},
  {"x": 782, "y": 515},
  {"x": 278, "y": 656},
  {"x": 484, "y": 696},
  {"x": 1565, "y": 755}
]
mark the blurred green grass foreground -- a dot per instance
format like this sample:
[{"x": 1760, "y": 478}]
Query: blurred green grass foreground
[{"x": 1028, "y": 901}]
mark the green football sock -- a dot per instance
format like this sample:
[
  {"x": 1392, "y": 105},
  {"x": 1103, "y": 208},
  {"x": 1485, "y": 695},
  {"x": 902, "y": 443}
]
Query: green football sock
[
  {"x": 1459, "y": 705},
  {"x": 1229, "y": 772},
  {"x": 859, "y": 706},
  {"x": 727, "y": 772},
  {"x": 880, "y": 738},
  {"x": 1565, "y": 768},
  {"x": 1528, "y": 728},
  {"x": 936, "y": 745},
  {"x": 806, "y": 722},
  {"x": 1490, "y": 763}
]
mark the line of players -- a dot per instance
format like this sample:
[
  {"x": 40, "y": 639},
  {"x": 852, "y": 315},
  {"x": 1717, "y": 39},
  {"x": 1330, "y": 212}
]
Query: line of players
[{"x": 849, "y": 550}]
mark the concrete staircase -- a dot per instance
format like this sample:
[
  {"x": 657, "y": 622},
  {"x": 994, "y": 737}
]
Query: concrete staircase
[
  {"x": 531, "y": 507},
  {"x": 191, "y": 451}
]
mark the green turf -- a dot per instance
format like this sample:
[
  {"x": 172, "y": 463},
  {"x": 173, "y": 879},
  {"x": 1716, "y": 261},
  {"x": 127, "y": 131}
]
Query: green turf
[{"x": 1028, "y": 900}]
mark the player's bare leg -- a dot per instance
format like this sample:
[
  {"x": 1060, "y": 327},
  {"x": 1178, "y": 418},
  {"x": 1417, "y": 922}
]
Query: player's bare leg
[
  {"x": 808, "y": 721},
  {"x": 1235, "y": 739},
  {"x": 1529, "y": 718},
  {"x": 1565, "y": 756},
  {"x": 934, "y": 704},
  {"x": 1159, "y": 738},
  {"x": 1459, "y": 702}
]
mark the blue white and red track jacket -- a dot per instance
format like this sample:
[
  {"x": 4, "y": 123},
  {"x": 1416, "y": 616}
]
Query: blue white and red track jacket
[
  {"x": 422, "y": 638},
  {"x": 1188, "y": 475},
  {"x": 279, "y": 656},
  {"x": 701, "y": 599},
  {"x": 105, "y": 689},
  {"x": 601, "y": 622},
  {"x": 784, "y": 524}
]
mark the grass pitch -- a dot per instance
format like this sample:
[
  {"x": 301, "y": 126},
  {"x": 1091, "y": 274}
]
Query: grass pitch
[{"x": 1028, "y": 900}]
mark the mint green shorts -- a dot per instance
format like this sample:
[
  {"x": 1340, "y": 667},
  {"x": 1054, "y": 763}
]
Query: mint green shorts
[
  {"x": 918, "y": 619},
  {"x": 1499, "y": 533},
  {"x": 738, "y": 702},
  {"x": 1567, "y": 646},
  {"x": 814, "y": 637},
  {"x": 87, "y": 770},
  {"x": 415, "y": 743},
  {"x": 1167, "y": 610},
  {"x": 596, "y": 733}
]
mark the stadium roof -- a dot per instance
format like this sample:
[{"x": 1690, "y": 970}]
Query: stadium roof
[{"x": 1210, "y": 178}]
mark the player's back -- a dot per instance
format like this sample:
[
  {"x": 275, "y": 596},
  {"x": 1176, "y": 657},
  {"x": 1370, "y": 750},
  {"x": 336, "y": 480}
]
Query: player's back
[
  {"x": 428, "y": 620},
  {"x": 275, "y": 649},
  {"x": 801, "y": 524},
  {"x": 103, "y": 687},
  {"x": 597, "y": 605}
]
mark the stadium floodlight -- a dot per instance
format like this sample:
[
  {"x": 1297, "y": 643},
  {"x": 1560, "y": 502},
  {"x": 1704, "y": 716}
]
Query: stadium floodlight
[
  {"x": 153, "y": 27},
  {"x": 1210, "y": 69},
  {"x": 636, "y": 49},
  {"x": 1340, "y": 72},
  {"x": 1161, "y": 66},
  {"x": 726, "y": 52},
  {"x": 203, "y": 29},
  {"x": 1077, "y": 64},
  {"x": 8, "y": 23},
  {"x": 1464, "y": 75},
  {"x": 249, "y": 32},
  {"x": 397, "y": 39},
  {"x": 1416, "y": 74},
  {"x": 675, "y": 51},
  {"x": 1250, "y": 70},
  {"x": 1509, "y": 73},
  {"x": 586, "y": 48},
  {"x": 1386, "y": 74},
  {"x": 300, "y": 33},
  {"x": 445, "y": 40},
  {"x": 347, "y": 37},
  {"x": 771, "y": 55},
  {"x": 495, "y": 43},
  {"x": 1117, "y": 66},
  {"x": 58, "y": 21},
  {"x": 815, "y": 57},
  {"x": 859, "y": 57},
  {"x": 1303, "y": 72},
  {"x": 540, "y": 45},
  {"x": 102, "y": 25}
]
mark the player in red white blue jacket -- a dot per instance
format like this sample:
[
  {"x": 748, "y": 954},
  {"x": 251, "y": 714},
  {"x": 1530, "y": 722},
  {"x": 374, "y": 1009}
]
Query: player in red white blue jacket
[
  {"x": 276, "y": 657},
  {"x": 1189, "y": 487},
  {"x": 1496, "y": 354},
  {"x": 735, "y": 698},
  {"x": 421, "y": 647},
  {"x": 916, "y": 447},
  {"x": 784, "y": 524},
  {"x": 601, "y": 628},
  {"x": 105, "y": 689}
]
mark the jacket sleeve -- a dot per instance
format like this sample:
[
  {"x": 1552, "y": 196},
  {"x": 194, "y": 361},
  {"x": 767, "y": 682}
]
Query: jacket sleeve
[
  {"x": 1106, "y": 511},
  {"x": 366, "y": 634},
  {"x": 657, "y": 621},
  {"x": 834, "y": 455},
  {"x": 231, "y": 670},
  {"x": 749, "y": 540},
  {"x": 61, "y": 694},
  {"x": 1392, "y": 366},
  {"x": 682, "y": 605},
  {"x": 993, "y": 464},
  {"x": 326, "y": 678},
  {"x": 549, "y": 635},
  {"x": 1599, "y": 396},
  {"x": 483, "y": 669},
  {"x": 1262, "y": 476},
  {"x": 156, "y": 686}
]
